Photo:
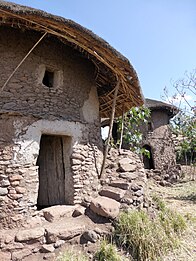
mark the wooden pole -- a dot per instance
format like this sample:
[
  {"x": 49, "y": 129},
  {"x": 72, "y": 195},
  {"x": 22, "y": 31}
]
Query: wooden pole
[
  {"x": 11, "y": 75},
  {"x": 110, "y": 128},
  {"x": 121, "y": 133}
]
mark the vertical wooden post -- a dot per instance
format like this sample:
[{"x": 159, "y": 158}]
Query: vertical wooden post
[
  {"x": 110, "y": 128},
  {"x": 121, "y": 133}
]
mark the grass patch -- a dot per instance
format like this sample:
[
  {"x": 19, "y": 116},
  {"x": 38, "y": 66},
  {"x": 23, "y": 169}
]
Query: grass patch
[
  {"x": 146, "y": 238},
  {"x": 72, "y": 255},
  {"x": 107, "y": 252}
]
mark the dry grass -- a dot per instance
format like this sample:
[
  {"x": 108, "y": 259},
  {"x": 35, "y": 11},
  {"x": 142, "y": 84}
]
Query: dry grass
[{"x": 181, "y": 198}]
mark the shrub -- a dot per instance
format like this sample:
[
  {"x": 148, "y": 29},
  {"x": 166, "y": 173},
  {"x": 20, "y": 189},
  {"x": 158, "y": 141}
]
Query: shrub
[
  {"x": 107, "y": 252},
  {"x": 146, "y": 238}
]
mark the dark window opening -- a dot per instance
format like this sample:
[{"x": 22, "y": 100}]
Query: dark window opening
[
  {"x": 48, "y": 79},
  {"x": 148, "y": 159},
  {"x": 150, "y": 128}
]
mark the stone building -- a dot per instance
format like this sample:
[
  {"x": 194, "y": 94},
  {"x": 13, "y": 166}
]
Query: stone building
[
  {"x": 157, "y": 136},
  {"x": 57, "y": 80}
]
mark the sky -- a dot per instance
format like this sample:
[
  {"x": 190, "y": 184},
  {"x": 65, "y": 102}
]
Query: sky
[{"x": 157, "y": 36}]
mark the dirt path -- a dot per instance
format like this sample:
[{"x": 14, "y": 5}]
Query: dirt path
[{"x": 182, "y": 198}]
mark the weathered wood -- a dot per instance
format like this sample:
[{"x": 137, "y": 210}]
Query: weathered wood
[
  {"x": 121, "y": 133},
  {"x": 51, "y": 172},
  {"x": 110, "y": 128}
]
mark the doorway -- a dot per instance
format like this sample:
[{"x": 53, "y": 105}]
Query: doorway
[
  {"x": 148, "y": 160},
  {"x": 52, "y": 161}
]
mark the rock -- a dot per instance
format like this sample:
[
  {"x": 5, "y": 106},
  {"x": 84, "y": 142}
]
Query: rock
[
  {"x": 15, "y": 177},
  {"x": 129, "y": 176},
  {"x": 105, "y": 207},
  {"x": 4, "y": 183},
  {"x": 139, "y": 193},
  {"x": 111, "y": 192},
  {"x": 126, "y": 165},
  {"x": 91, "y": 236},
  {"x": 15, "y": 196},
  {"x": 8, "y": 238},
  {"x": 49, "y": 256},
  {"x": 5, "y": 256},
  {"x": 135, "y": 187},
  {"x": 79, "y": 211},
  {"x": 13, "y": 246},
  {"x": 19, "y": 255},
  {"x": 54, "y": 213},
  {"x": 59, "y": 243},
  {"x": 20, "y": 190},
  {"x": 119, "y": 184},
  {"x": 66, "y": 232},
  {"x": 3, "y": 191},
  {"x": 47, "y": 248},
  {"x": 86, "y": 201},
  {"x": 128, "y": 201},
  {"x": 30, "y": 234}
]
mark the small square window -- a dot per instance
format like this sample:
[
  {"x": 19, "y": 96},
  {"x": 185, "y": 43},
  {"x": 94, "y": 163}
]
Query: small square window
[{"x": 48, "y": 79}]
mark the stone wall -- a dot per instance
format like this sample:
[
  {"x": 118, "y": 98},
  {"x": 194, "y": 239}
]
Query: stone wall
[
  {"x": 165, "y": 170},
  {"x": 29, "y": 109},
  {"x": 162, "y": 146}
]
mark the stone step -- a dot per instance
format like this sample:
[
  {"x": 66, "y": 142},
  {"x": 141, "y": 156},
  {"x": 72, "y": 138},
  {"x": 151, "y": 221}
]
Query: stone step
[
  {"x": 119, "y": 184},
  {"x": 112, "y": 192},
  {"x": 64, "y": 229}
]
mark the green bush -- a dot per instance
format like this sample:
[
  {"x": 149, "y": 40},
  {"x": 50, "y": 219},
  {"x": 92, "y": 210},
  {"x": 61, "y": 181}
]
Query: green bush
[{"x": 107, "y": 252}]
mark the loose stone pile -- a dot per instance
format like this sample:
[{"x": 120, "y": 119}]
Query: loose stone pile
[{"x": 123, "y": 188}]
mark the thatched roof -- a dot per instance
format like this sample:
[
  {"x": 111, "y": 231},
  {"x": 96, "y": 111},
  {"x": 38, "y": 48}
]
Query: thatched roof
[
  {"x": 111, "y": 66},
  {"x": 155, "y": 105}
]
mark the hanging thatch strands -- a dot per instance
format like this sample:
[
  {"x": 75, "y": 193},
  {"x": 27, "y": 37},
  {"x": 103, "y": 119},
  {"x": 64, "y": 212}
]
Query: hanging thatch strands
[
  {"x": 108, "y": 62},
  {"x": 110, "y": 128},
  {"x": 30, "y": 51}
]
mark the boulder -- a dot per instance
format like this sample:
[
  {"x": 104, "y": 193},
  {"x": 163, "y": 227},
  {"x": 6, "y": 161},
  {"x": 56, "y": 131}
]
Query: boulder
[
  {"x": 111, "y": 192},
  {"x": 127, "y": 165},
  {"x": 54, "y": 213},
  {"x": 30, "y": 234},
  {"x": 105, "y": 207}
]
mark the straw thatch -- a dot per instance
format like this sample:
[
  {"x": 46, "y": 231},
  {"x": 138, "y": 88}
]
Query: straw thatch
[
  {"x": 155, "y": 105},
  {"x": 110, "y": 65}
]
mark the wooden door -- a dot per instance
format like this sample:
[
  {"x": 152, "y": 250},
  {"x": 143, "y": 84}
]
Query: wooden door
[{"x": 51, "y": 172}]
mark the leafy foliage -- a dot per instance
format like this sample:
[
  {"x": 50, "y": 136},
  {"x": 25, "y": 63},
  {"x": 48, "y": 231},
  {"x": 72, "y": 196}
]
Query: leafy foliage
[
  {"x": 184, "y": 123},
  {"x": 133, "y": 120},
  {"x": 184, "y": 127}
]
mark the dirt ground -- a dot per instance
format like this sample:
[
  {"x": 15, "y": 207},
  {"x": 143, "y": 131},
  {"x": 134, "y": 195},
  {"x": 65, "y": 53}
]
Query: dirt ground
[{"x": 182, "y": 198}]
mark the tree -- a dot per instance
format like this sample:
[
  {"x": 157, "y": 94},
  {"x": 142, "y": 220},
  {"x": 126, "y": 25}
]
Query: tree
[
  {"x": 183, "y": 124},
  {"x": 130, "y": 127}
]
